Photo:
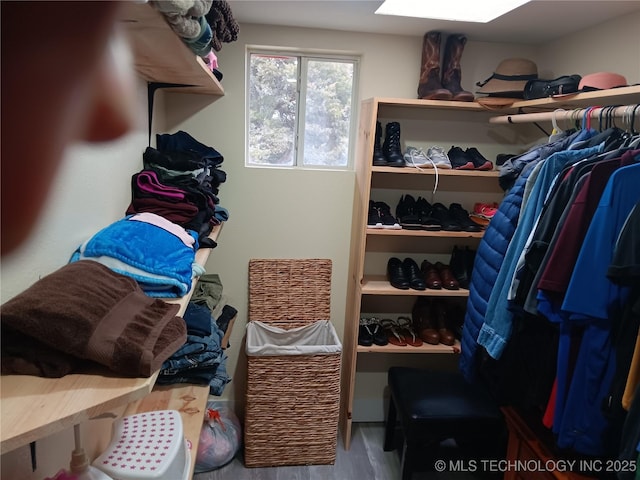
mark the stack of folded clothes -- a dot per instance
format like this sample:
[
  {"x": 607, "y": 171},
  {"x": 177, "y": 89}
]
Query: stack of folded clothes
[
  {"x": 202, "y": 360},
  {"x": 180, "y": 181}
]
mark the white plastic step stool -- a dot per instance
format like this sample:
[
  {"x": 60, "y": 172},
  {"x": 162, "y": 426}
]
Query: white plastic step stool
[{"x": 148, "y": 445}]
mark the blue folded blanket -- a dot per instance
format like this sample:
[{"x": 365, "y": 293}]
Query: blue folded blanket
[{"x": 161, "y": 263}]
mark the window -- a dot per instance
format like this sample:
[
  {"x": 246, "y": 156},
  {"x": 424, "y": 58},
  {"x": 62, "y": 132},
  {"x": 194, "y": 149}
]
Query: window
[{"x": 300, "y": 110}]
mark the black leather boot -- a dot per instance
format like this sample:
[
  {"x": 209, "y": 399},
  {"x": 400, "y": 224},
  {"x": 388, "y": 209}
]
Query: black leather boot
[
  {"x": 378, "y": 156},
  {"x": 391, "y": 147},
  {"x": 430, "y": 85},
  {"x": 451, "y": 71}
]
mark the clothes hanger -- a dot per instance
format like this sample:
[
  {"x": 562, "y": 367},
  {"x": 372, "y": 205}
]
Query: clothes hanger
[
  {"x": 556, "y": 132},
  {"x": 634, "y": 140}
]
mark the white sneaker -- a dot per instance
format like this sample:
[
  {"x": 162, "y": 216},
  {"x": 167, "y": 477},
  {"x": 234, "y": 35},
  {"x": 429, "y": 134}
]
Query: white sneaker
[
  {"x": 415, "y": 157},
  {"x": 439, "y": 157}
]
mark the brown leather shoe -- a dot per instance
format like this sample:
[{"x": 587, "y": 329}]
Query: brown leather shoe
[
  {"x": 446, "y": 276},
  {"x": 441, "y": 321},
  {"x": 431, "y": 276},
  {"x": 422, "y": 322}
]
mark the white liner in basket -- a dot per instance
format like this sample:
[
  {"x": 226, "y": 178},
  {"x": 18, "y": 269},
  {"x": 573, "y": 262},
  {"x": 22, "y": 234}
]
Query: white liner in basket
[{"x": 318, "y": 338}]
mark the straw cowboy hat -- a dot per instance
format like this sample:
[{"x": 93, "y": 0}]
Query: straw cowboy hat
[{"x": 509, "y": 78}]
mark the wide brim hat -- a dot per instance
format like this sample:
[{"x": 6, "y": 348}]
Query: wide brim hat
[
  {"x": 601, "y": 81},
  {"x": 495, "y": 102},
  {"x": 509, "y": 78}
]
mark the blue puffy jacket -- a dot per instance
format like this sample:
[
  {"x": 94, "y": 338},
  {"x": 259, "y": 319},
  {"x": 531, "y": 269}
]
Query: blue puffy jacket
[
  {"x": 488, "y": 261},
  {"x": 493, "y": 247}
]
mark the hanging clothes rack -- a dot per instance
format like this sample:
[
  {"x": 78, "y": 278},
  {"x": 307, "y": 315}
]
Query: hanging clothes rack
[{"x": 629, "y": 114}]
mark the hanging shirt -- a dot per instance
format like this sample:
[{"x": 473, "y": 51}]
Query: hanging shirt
[
  {"x": 496, "y": 330},
  {"x": 588, "y": 301}
]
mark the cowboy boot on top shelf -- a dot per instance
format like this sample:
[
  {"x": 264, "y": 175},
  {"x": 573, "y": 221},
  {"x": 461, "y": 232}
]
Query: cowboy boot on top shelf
[
  {"x": 451, "y": 71},
  {"x": 430, "y": 85}
]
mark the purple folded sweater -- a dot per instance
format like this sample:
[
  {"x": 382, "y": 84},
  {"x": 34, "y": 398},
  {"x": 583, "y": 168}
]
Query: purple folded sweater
[{"x": 84, "y": 310}]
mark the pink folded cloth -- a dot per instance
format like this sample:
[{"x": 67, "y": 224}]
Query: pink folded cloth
[{"x": 147, "y": 181}]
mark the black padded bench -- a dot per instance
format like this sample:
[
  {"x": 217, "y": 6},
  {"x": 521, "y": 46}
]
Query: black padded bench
[{"x": 434, "y": 406}]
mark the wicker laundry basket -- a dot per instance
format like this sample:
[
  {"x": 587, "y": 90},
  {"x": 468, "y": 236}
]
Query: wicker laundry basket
[{"x": 292, "y": 402}]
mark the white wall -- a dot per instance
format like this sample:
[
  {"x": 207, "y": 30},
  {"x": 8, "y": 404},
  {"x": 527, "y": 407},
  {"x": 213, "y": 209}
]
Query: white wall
[
  {"x": 610, "y": 47},
  {"x": 273, "y": 213},
  {"x": 294, "y": 213}
]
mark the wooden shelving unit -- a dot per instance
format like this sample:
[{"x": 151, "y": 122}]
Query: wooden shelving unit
[
  {"x": 430, "y": 122},
  {"x": 35, "y": 407},
  {"x": 161, "y": 56}
]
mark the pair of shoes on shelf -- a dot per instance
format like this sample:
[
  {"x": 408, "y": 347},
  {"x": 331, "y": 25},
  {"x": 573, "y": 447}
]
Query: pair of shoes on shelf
[
  {"x": 370, "y": 331},
  {"x": 461, "y": 265},
  {"x": 400, "y": 332},
  {"x": 438, "y": 275},
  {"x": 416, "y": 214},
  {"x": 405, "y": 274},
  {"x": 379, "y": 216},
  {"x": 469, "y": 159},
  {"x": 454, "y": 219},
  {"x": 483, "y": 213},
  {"x": 435, "y": 157},
  {"x": 432, "y": 321}
]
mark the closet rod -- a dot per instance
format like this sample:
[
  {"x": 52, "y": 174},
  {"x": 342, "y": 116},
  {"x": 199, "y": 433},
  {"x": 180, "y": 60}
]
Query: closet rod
[{"x": 626, "y": 112}]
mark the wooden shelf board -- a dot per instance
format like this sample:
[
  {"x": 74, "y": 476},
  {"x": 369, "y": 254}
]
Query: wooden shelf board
[
  {"x": 614, "y": 96},
  {"x": 189, "y": 400},
  {"x": 161, "y": 56},
  {"x": 379, "y": 285},
  {"x": 433, "y": 104},
  {"x": 441, "y": 171},
  {"x": 422, "y": 233},
  {"x": 35, "y": 407},
  {"x": 425, "y": 348}
]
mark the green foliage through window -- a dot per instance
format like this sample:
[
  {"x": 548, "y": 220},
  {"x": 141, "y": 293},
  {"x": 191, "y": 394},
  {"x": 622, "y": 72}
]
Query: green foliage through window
[{"x": 300, "y": 110}]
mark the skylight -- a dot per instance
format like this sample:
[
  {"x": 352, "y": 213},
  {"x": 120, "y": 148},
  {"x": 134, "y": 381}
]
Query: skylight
[{"x": 456, "y": 10}]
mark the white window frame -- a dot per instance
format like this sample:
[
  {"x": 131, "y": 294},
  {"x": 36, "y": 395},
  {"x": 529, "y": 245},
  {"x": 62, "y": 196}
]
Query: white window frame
[{"x": 303, "y": 58}]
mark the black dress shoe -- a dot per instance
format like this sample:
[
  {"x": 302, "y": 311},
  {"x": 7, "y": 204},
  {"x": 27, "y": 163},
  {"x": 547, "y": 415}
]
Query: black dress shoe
[
  {"x": 396, "y": 274},
  {"x": 413, "y": 274}
]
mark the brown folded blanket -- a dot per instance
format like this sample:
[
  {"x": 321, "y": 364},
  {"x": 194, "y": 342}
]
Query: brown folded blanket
[{"x": 84, "y": 310}]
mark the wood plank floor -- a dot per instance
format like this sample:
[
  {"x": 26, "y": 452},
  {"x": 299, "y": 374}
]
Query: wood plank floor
[{"x": 366, "y": 460}]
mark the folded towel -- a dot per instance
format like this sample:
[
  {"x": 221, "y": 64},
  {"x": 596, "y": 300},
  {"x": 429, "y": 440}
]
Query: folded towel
[
  {"x": 87, "y": 311},
  {"x": 161, "y": 263}
]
